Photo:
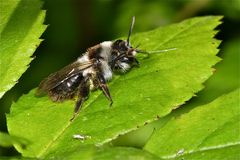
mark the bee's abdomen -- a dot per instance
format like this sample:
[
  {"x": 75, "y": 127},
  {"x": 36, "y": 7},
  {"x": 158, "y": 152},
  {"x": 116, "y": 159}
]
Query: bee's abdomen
[{"x": 67, "y": 89}]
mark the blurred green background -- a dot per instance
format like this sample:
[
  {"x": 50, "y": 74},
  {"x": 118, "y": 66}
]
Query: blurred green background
[{"x": 75, "y": 25}]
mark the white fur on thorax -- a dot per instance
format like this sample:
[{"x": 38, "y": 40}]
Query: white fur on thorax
[
  {"x": 106, "y": 50},
  {"x": 106, "y": 54},
  {"x": 107, "y": 72}
]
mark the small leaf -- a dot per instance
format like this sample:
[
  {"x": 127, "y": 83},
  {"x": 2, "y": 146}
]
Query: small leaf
[
  {"x": 204, "y": 129},
  {"x": 159, "y": 85},
  {"x": 20, "y": 28}
]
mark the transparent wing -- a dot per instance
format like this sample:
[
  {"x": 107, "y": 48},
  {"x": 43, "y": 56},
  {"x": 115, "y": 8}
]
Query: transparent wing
[{"x": 59, "y": 77}]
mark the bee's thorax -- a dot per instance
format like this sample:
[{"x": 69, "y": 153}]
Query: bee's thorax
[
  {"x": 102, "y": 52},
  {"x": 106, "y": 51}
]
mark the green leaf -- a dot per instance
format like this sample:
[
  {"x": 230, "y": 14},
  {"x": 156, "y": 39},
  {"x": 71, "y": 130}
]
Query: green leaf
[
  {"x": 225, "y": 79},
  {"x": 205, "y": 129},
  {"x": 159, "y": 85},
  {"x": 8, "y": 141},
  {"x": 103, "y": 153},
  {"x": 20, "y": 28}
]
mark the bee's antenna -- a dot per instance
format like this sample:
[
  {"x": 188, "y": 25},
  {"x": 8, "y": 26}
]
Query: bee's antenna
[
  {"x": 130, "y": 30},
  {"x": 137, "y": 46}
]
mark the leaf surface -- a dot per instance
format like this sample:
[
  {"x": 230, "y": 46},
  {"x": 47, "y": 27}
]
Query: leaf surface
[
  {"x": 206, "y": 131},
  {"x": 20, "y": 28},
  {"x": 161, "y": 83}
]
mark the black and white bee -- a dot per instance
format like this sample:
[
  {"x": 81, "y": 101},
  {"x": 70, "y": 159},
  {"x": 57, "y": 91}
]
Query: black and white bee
[{"x": 91, "y": 71}]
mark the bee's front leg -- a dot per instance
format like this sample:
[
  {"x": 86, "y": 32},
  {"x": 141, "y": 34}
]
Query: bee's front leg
[
  {"x": 83, "y": 93},
  {"x": 102, "y": 84}
]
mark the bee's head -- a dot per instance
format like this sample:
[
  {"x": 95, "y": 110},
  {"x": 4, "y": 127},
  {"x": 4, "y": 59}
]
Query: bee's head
[
  {"x": 123, "y": 55},
  {"x": 123, "y": 47}
]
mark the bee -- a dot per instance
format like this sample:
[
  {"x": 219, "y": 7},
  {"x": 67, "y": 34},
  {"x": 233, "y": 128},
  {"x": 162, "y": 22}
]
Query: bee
[{"x": 91, "y": 71}]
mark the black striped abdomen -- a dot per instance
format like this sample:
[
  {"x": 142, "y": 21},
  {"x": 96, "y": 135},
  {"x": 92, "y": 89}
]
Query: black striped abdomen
[{"x": 66, "y": 89}]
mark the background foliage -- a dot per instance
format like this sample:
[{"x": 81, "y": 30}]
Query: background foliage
[
  {"x": 77, "y": 25},
  {"x": 20, "y": 32}
]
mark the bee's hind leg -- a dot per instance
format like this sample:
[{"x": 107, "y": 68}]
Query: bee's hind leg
[{"x": 83, "y": 93}]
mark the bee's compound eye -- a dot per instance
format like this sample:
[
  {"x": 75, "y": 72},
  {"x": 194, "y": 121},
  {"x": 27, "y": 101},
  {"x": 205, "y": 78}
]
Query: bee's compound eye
[
  {"x": 117, "y": 42},
  {"x": 123, "y": 47}
]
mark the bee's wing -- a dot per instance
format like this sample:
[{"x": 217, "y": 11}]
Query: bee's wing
[{"x": 57, "y": 78}]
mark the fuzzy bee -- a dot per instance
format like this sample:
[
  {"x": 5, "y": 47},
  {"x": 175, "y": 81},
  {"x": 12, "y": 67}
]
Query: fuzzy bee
[{"x": 91, "y": 71}]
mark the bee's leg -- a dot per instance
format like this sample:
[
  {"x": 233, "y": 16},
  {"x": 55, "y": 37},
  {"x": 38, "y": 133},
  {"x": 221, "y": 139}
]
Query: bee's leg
[
  {"x": 83, "y": 93},
  {"x": 104, "y": 87},
  {"x": 136, "y": 62}
]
